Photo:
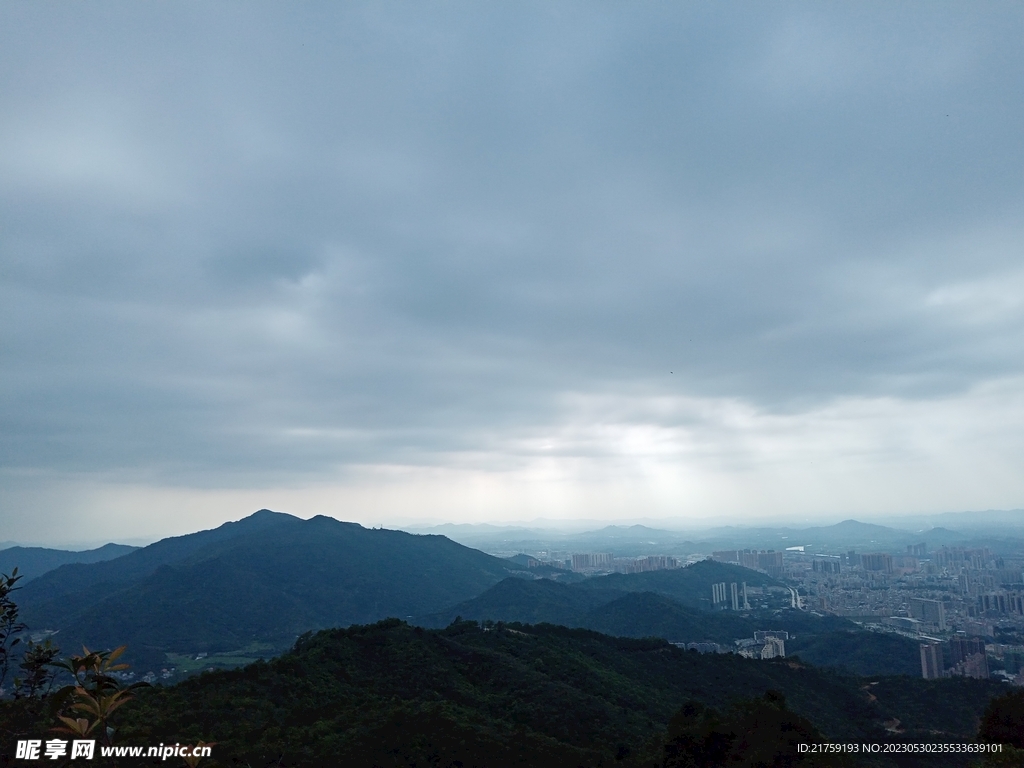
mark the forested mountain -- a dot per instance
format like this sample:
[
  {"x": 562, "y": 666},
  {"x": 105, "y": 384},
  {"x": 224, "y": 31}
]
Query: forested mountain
[
  {"x": 662, "y": 604},
  {"x": 690, "y": 586},
  {"x": 265, "y": 579},
  {"x": 35, "y": 561},
  {"x": 395, "y": 695},
  {"x": 74, "y": 580},
  {"x": 254, "y": 585}
]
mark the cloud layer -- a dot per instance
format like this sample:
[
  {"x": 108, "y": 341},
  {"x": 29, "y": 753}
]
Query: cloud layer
[{"x": 517, "y": 254}]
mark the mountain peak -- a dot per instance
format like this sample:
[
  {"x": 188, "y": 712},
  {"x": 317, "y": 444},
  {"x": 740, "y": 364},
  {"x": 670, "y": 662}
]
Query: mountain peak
[{"x": 260, "y": 519}]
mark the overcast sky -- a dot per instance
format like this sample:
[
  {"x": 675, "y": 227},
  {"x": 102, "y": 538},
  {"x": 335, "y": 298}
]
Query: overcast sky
[{"x": 401, "y": 262}]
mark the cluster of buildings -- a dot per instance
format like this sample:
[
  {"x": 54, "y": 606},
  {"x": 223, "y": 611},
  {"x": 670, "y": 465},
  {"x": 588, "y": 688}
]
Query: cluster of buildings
[
  {"x": 765, "y": 644},
  {"x": 768, "y": 560},
  {"x": 953, "y": 600},
  {"x": 964, "y": 605},
  {"x": 734, "y": 597},
  {"x": 960, "y": 656},
  {"x": 594, "y": 563}
]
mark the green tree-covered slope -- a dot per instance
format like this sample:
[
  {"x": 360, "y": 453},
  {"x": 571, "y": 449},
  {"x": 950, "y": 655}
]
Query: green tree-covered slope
[
  {"x": 32, "y": 562},
  {"x": 269, "y": 582},
  {"x": 395, "y": 695},
  {"x": 617, "y": 609}
]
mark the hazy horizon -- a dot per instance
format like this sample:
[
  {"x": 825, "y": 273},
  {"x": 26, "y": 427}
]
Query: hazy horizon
[
  {"x": 406, "y": 262},
  {"x": 1006, "y": 522}
]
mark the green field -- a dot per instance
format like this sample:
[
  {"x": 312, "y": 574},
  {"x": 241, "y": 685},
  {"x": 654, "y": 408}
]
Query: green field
[{"x": 187, "y": 664}]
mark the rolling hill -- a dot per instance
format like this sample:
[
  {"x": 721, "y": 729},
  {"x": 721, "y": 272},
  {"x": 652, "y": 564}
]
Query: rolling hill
[
  {"x": 543, "y": 600},
  {"x": 35, "y": 561},
  {"x": 690, "y": 586},
  {"x": 263, "y": 580},
  {"x": 516, "y": 695},
  {"x": 628, "y": 605}
]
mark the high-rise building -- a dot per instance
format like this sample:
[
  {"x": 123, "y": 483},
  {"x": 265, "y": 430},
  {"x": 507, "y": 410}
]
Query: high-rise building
[
  {"x": 931, "y": 611},
  {"x": 931, "y": 661},
  {"x": 760, "y": 635},
  {"x": 975, "y": 666},
  {"x": 592, "y": 560},
  {"x": 961, "y": 648},
  {"x": 718, "y": 593},
  {"x": 831, "y": 565},
  {"x": 979, "y": 628},
  {"x": 964, "y": 581},
  {"x": 968, "y": 657},
  {"x": 747, "y": 559},
  {"x": 774, "y": 647},
  {"x": 877, "y": 561},
  {"x": 1013, "y": 658},
  {"x": 734, "y": 588},
  {"x": 770, "y": 562}
]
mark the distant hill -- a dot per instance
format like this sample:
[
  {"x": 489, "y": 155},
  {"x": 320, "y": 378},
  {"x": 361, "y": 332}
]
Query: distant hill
[
  {"x": 840, "y": 537},
  {"x": 517, "y": 695},
  {"x": 689, "y": 586},
  {"x": 630, "y": 532},
  {"x": 665, "y": 604},
  {"x": 265, "y": 579},
  {"x": 974, "y": 529},
  {"x": 75, "y": 581},
  {"x": 35, "y": 561},
  {"x": 855, "y": 530},
  {"x": 863, "y": 653},
  {"x": 531, "y": 602},
  {"x": 543, "y": 600},
  {"x": 646, "y": 614}
]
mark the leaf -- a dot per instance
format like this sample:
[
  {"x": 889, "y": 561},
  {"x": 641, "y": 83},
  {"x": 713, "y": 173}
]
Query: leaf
[
  {"x": 57, "y": 699},
  {"x": 79, "y": 726}
]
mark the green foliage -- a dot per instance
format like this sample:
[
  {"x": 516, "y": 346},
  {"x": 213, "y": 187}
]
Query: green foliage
[
  {"x": 510, "y": 694},
  {"x": 753, "y": 733},
  {"x": 268, "y": 581},
  {"x": 94, "y": 696},
  {"x": 690, "y": 586},
  {"x": 35, "y": 561},
  {"x": 646, "y": 614},
  {"x": 10, "y": 624},
  {"x": 946, "y": 708},
  {"x": 1003, "y": 721},
  {"x": 821, "y": 640},
  {"x": 859, "y": 652},
  {"x": 37, "y": 669}
]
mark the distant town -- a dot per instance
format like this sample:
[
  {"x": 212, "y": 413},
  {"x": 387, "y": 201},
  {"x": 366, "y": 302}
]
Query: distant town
[{"x": 963, "y": 605}]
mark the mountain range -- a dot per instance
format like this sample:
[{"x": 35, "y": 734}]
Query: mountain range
[
  {"x": 665, "y": 604},
  {"x": 35, "y": 561},
  {"x": 639, "y": 540},
  {"x": 264, "y": 580},
  {"x": 250, "y": 587},
  {"x": 485, "y": 664}
]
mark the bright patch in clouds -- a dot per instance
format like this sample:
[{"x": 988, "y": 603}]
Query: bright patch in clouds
[{"x": 481, "y": 263}]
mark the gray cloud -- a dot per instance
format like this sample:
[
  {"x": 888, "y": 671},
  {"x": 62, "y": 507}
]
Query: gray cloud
[{"x": 250, "y": 244}]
